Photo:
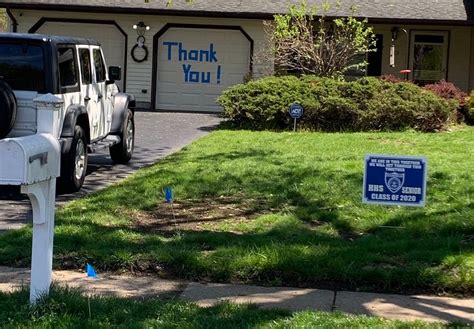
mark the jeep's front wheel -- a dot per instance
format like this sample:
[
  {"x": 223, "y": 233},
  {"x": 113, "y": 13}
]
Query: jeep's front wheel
[
  {"x": 74, "y": 163},
  {"x": 122, "y": 152}
]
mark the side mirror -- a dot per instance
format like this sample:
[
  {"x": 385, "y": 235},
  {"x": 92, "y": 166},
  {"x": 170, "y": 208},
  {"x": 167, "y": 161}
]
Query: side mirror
[{"x": 115, "y": 73}]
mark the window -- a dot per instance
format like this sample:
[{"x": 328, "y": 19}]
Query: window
[
  {"x": 67, "y": 69},
  {"x": 99, "y": 66},
  {"x": 22, "y": 67},
  {"x": 86, "y": 71},
  {"x": 429, "y": 56}
]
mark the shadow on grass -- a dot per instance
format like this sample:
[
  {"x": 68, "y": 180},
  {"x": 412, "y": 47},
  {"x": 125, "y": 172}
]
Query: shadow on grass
[
  {"x": 315, "y": 241},
  {"x": 288, "y": 255},
  {"x": 67, "y": 308}
]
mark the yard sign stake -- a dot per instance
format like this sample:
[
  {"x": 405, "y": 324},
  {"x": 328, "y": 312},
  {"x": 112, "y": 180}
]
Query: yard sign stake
[{"x": 296, "y": 111}]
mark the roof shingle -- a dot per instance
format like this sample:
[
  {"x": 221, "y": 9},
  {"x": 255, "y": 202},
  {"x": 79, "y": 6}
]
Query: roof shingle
[{"x": 432, "y": 10}]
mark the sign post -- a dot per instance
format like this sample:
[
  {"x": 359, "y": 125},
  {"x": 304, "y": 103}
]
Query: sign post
[
  {"x": 296, "y": 111},
  {"x": 395, "y": 180}
]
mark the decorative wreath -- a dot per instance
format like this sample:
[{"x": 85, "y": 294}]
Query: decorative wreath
[{"x": 140, "y": 44}]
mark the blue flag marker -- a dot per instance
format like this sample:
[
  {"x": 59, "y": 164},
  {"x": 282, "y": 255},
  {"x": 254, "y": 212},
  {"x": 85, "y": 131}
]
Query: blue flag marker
[
  {"x": 91, "y": 272},
  {"x": 168, "y": 194}
]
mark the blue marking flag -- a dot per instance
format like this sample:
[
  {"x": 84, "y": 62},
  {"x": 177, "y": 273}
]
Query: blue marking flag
[
  {"x": 168, "y": 194},
  {"x": 91, "y": 272}
]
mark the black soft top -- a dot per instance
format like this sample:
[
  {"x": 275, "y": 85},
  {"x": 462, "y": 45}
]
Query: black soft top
[{"x": 54, "y": 39}]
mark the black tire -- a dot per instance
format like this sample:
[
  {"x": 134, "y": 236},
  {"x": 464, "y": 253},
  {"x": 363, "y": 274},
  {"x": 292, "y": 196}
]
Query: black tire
[
  {"x": 74, "y": 163},
  {"x": 122, "y": 152},
  {"x": 8, "y": 108}
]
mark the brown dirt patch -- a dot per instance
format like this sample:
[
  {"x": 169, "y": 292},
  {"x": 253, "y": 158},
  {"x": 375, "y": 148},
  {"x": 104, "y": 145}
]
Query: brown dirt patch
[{"x": 199, "y": 215}]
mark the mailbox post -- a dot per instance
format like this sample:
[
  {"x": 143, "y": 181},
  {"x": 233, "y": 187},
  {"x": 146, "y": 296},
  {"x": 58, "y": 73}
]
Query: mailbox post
[{"x": 34, "y": 163}]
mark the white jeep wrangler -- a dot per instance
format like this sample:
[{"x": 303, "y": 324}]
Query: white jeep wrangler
[{"x": 94, "y": 115}]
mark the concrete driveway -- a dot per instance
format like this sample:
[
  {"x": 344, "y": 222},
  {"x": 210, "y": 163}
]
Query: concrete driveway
[{"x": 157, "y": 135}]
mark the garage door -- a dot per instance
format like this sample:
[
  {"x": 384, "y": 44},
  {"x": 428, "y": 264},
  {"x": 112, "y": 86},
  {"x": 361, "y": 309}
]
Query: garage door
[
  {"x": 110, "y": 38},
  {"x": 196, "y": 65}
]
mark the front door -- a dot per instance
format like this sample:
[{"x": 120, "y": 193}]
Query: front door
[{"x": 428, "y": 56}]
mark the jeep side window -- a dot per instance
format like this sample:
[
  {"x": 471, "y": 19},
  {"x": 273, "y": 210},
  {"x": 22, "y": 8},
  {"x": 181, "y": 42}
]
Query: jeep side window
[
  {"x": 86, "y": 71},
  {"x": 67, "y": 69},
  {"x": 99, "y": 66}
]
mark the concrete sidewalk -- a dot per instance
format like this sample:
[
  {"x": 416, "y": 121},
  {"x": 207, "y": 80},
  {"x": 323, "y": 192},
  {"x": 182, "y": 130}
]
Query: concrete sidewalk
[{"x": 395, "y": 307}]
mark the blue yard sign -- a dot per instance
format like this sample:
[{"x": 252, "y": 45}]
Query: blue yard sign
[
  {"x": 296, "y": 111},
  {"x": 395, "y": 180}
]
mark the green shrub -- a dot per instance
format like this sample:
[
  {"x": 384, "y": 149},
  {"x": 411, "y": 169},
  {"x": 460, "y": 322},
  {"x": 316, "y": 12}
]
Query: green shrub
[
  {"x": 332, "y": 105},
  {"x": 469, "y": 110},
  {"x": 262, "y": 105},
  {"x": 453, "y": 94}
]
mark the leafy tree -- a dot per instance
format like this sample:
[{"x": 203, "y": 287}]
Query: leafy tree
[
  {"x": 302, "y": 42},
  {"x": 3, "y": 20}
]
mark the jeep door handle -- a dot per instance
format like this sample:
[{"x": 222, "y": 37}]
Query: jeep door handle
[
  {"x": 100, "y": 96},
  {"x": 87, "y": 98}
]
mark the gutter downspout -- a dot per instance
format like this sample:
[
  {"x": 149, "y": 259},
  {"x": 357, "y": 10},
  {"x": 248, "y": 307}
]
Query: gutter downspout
[{"x": 13, "y": 20}]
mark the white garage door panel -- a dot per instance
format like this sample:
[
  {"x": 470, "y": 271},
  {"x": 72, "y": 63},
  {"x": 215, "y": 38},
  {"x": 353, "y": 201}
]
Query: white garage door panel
[
  {"x": 168, "y": 79},
  {"x": 168, "y": 99},
  {"x": 110, "y": 38},
  {"x": 187, "y": 84}
]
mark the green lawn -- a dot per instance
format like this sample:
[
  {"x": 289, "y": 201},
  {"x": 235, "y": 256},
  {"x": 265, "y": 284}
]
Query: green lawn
[
  {"x": 279, "y": 209},
  {"x": 68, "y": 309}
]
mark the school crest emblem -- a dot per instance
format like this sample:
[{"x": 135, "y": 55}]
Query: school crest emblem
[{"x": 394, "y": 181}]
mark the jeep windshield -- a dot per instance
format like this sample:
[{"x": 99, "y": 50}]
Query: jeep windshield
[{"x": 22, "y": 66}]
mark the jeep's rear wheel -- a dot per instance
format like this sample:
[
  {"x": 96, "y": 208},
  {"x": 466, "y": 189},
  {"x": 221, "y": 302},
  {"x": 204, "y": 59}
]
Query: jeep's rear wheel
[
  {"x": 122, "y": 152},
  {"x": 8, "y": 109},
  {"x": 74, "y": 163}
]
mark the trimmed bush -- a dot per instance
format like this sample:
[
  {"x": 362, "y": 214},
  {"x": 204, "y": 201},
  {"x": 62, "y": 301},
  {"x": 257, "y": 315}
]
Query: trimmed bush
[
  {"x": 259, "y": 104},
  {"x": 332, "y": 105},
  {"x": 469, "y": 110},
  {"x": 453, "y": 94},
  {"x": 391, "y": 78},
  {"x": 448, "y": 90}
]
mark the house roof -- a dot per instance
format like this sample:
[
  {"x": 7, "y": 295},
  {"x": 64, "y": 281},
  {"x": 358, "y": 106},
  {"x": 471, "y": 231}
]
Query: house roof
[{"x": 448, "y": 11}]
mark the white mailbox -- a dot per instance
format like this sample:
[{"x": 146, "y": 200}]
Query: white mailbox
[
  {"x": 29, "y": 160},
  {"x": 34, "y": 163}
]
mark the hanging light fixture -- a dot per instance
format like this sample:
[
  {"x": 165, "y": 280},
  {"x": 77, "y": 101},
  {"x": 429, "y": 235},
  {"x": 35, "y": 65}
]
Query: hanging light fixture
[{"x": 140, "y": 26}]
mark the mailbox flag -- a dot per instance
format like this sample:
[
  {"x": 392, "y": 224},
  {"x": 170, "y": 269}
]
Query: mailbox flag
[
  {"x": 168, "y": 194},
  {"x": 91, "y": 272}
]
